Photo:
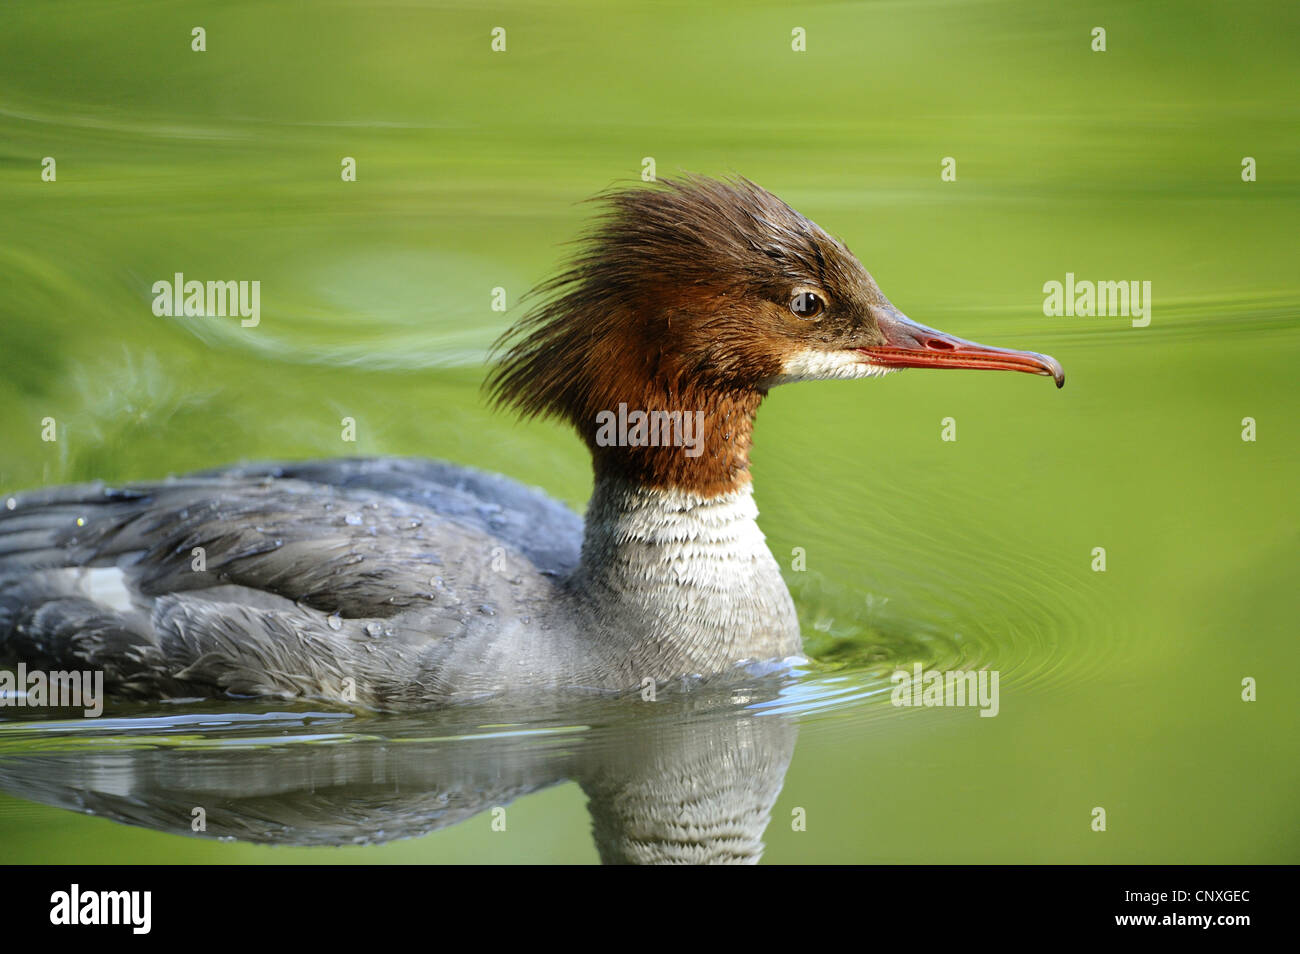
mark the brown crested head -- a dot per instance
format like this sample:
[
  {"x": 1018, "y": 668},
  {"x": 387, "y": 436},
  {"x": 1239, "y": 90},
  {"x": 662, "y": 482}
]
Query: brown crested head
[{"x": 693, "y": 297}]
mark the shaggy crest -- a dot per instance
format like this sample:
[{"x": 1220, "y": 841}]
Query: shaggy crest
[{"x": 661, "y": 296}]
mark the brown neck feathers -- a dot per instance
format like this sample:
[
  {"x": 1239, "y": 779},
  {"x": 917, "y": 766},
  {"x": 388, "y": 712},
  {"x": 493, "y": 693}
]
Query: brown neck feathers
[{"x": 693, "y": 442}]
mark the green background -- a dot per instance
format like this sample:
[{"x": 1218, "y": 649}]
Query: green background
[{"x": 1120, "y": 689}]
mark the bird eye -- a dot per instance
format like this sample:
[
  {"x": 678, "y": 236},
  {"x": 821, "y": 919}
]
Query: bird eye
[{"x": 806, "y": 304}]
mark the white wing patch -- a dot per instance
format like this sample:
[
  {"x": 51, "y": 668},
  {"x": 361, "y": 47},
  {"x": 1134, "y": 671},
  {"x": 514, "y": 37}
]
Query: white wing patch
[{"x": 107, "y": 587}]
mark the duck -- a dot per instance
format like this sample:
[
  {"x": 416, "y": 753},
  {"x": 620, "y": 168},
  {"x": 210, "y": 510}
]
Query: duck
[{"x": 397, "y": 583}]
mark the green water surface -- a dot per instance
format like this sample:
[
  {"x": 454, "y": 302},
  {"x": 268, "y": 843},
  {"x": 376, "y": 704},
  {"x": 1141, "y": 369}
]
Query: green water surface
[{"x": 1120, "y": 689}]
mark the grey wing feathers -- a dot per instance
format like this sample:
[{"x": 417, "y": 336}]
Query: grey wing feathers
[
  {"x": 226, "y": 579},
  {"x": 355, "y": 552},
  {"x": 543, "y": 529}
]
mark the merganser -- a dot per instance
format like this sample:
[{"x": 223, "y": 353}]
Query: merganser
[{"x": 400, "y": 583}]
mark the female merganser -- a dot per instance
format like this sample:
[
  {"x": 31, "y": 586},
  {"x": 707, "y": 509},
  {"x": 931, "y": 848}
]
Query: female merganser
[{"x": 399, "y": 583}]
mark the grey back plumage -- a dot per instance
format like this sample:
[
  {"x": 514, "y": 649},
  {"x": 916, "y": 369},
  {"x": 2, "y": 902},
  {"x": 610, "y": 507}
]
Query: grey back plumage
[{"x": 316, "y": 579}]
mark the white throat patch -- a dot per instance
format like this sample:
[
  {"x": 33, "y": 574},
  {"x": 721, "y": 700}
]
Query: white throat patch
[
  {"x": 671, "y": 568},
  {"x": 816, "y": 364}
]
